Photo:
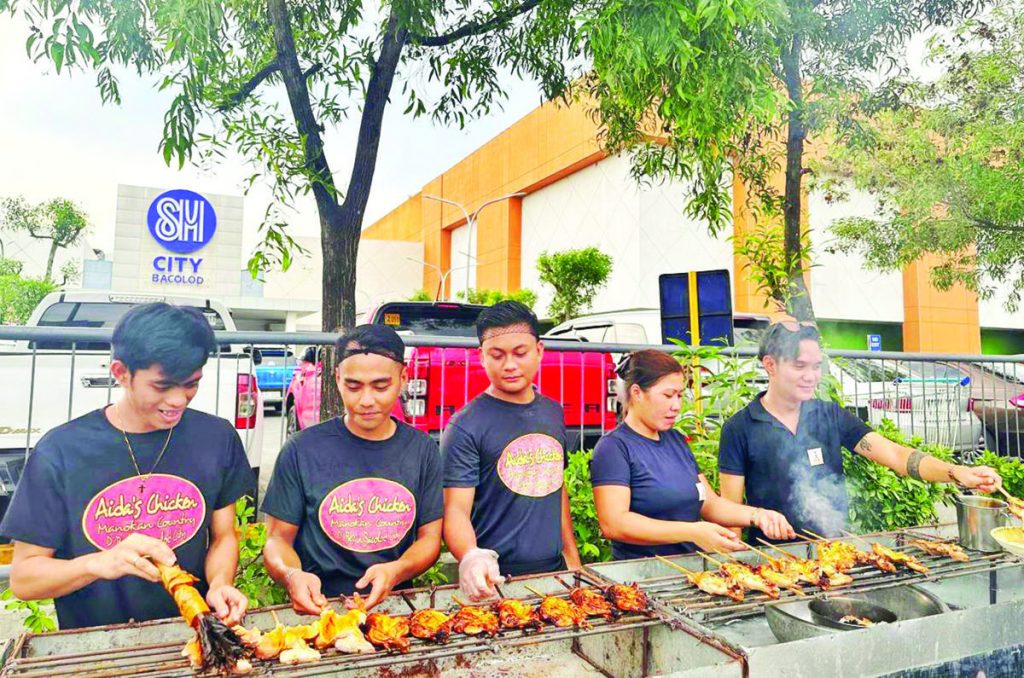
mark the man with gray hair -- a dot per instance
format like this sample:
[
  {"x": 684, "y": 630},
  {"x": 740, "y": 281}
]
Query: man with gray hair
[{"x": 783, "y": 450}]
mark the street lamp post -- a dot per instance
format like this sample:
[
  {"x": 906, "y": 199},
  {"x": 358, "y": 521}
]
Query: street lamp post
[
  {"x": 470, "y": 222},
  {"x": 442, "y": 274}
]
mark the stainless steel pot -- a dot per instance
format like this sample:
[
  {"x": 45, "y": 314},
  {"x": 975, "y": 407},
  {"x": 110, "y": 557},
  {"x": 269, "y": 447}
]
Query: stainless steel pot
[{"x": 976, "y": 517}]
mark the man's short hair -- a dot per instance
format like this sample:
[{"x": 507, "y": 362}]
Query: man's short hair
[
  {"x": 783, "y": 342},
  {"x": 504, "y": 315},
  {"x": 177, "y": 338},
  {"x": 376, "y": 339}
]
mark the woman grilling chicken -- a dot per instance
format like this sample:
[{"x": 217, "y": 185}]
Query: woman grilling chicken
[{"x": 651, "y": 498}]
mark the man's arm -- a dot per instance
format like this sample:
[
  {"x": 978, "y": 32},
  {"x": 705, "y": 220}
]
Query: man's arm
[
  {"x": 904, "y": 461},
  {"x": 221, "y": 564},
  {"x": 459, "y": 534},
  {"x": 284, "y": 567},
  {"x": 732, "y": 489},
  {"x": 570, "y": 552},
  {"x": 417, "y": 559},
  {"x": 37, "y": 575}
]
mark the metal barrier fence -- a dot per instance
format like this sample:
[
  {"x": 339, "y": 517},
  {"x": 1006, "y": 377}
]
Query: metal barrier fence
[{"x": 965, "y": 402}]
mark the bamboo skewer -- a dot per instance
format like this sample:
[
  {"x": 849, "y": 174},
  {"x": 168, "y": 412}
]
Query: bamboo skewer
[
  {"x": 773, "y": 546},
  {"x": 673, "y": 565},
  {"x": 537, "y": 593},
  {"x": 857, "y": 537},
  {"x": 708, "y": 558},
  {"x": 815, "y": 537}
]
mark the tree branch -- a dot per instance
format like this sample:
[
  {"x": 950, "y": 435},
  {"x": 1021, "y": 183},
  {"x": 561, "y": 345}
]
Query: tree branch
[
  {"x": 474, "y": 27},
  {"x": 256, "y": 80}
]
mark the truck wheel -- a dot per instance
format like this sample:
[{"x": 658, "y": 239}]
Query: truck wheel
[{"x": 291, "y": 422}]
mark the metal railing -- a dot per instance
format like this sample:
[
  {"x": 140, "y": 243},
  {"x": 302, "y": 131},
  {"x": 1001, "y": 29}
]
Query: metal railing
[{"x": 964, "y": 402}]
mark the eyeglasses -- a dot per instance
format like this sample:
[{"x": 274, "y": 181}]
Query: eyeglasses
[{"x": 795, "y": 325}]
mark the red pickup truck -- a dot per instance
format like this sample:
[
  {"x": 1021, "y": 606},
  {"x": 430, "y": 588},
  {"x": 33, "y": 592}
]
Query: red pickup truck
[{"x": 442, "y": 380}]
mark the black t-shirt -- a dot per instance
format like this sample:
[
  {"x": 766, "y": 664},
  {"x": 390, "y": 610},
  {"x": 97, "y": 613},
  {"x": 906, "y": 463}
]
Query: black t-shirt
[
  {"x": 662, "y": 477},
  {"x": 800, "y": 475},
  {"x": 79, "y": 493},
  {"x": 356, "y": 502},
  {"x": 514, "y": 455}
]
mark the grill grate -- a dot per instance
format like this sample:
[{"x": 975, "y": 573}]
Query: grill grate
[
  {"x": 674, "y": 592},
  {"x": 163, "y": 660}
]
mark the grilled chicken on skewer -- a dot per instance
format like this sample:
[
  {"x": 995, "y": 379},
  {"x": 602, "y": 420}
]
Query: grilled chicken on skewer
[
  {"x": 430, "y": 624},
  {"x": 709, "y": 582},
  {"x": 941, "y": 548},
  {"x": 592, "y": 602},
  {"x": 559, "y": 611},
  {"x": 343, "y": 632},
  {"x": 473, "y": 621},
  {"x": 218, "y": 646},
  {"x": 900, "y": 558},
  {"x": 749, "y": 579},
  {"x": 628, "y": 598},
  {"x": 390, "y": 633},
  {"x": 517, "y": 614}
]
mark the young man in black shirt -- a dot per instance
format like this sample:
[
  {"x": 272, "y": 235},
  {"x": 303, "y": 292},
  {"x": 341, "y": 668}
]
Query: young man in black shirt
[
  {"x": 145, "y": 479},
  {"x": 355, "y": 502},
  {"x": 783, "y": 451},
  {"x": 504, "y": 461}
]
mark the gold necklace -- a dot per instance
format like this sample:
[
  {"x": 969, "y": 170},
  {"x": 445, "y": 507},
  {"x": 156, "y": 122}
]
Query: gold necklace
[{"x": 131, "y": 452}]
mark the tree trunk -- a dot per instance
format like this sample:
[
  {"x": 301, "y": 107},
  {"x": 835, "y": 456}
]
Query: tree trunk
[
  {"x": 49, "y": 261},
  {"x": 799, "y": 302}
]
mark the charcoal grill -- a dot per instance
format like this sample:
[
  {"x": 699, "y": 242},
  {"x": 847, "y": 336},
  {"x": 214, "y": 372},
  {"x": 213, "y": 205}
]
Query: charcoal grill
[
  {"x": 632, "y": 645},
  {"x": 984, "y": 599}
]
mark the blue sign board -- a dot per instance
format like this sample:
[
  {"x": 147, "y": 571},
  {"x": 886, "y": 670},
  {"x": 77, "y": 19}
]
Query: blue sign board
[
  {"x": 874, "y": 342},
  {"x": 714, "y": 307},
  {"x": 182, "y": 222}
]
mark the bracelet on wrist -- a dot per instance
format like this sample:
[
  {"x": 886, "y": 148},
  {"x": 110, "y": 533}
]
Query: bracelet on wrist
[
  {"x": 753, "y": 517},
  {"x": 289, "y": 573}
]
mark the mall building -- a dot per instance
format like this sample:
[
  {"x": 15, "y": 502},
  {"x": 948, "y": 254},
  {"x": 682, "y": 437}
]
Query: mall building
[{"x": 568, "y": 193}]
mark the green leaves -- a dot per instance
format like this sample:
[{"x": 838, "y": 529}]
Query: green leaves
[
  {"x": 38, "y": 618},
  {"x": 576, "y": 276},
  {"x": 592, "y": 546},
  {"x": 491, "y": 297},
  {"x": 252, "y": 578}
]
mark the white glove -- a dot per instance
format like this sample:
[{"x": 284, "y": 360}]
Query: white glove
[{"x": 478, "y": 573}]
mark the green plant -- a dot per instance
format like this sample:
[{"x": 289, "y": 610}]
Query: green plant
[
  {"x": 880, "y": 499},
  {"x": 252, "y": 578},
  {"x": 575, "y": 276},
  {"x": 421, "y": 295},
  {"x": 435, "y": 576},
  {"x": 1010, "y": 469},
  {"x": 491, "y": 297},
  {"x": 593, "y": 547},
  {"x": 38, "y": 619}
]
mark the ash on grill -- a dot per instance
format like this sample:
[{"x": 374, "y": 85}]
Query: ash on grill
[{"x": 677, "y": 592}]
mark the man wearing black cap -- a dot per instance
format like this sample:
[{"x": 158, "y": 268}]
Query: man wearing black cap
[{"x": 355, "y": 502}]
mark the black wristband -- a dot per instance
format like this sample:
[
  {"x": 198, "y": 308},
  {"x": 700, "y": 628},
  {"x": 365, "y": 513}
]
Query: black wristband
[{"x": 914, "y": 464}]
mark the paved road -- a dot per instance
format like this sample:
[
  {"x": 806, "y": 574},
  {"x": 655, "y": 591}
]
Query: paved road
[{"x": 273, "y": 424}]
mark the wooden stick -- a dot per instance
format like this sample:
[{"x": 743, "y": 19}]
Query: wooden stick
[
  {"x": 856, "y": 536},
  {"x": 1009, "y": 497},
  {"x": 459, "y": 602},
  {"x": 815, "y": 537},
  {"x": 762, "y": 553},
  {"x": 277, "y": 622},
  {"x": 673, "y": 565},
  {"x": 773, "y": 546},
  {"x": 707, "y": 557},
  {"x": 537, "y": 593}
]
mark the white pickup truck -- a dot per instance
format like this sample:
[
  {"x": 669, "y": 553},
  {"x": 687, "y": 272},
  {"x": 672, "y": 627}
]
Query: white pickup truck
[{"x": 44, "y": 383}]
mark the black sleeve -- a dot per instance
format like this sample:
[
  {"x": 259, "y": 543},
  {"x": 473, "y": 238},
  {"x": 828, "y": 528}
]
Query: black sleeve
[
  {"x": 732, "y": 447},
  {"x": 851, "y": 429},
  {"x": 286, "y": 497},
  {"x": 430, "y": 503},
  {"x": 460, "y": 457},
  {"x": 609, "y": 465},
  {"x": 36, "y": 514},
  {"x": 238, "y": 477}
]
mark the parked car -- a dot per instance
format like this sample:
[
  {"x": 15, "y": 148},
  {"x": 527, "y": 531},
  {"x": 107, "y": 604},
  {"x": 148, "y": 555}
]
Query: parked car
[
  {"x": 67, "y": 381},
  {"x": 442, "y": 380},
  {"x": 643, "y": 326},
  {"x": 274, "y": 373},
  {"x": 997, "y": 400}
]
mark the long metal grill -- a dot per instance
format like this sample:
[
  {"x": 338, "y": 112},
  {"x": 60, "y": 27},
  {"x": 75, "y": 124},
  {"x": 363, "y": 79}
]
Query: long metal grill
[
  {"x": 164, "y": 660},
  {"x": 676, "y": 593}
]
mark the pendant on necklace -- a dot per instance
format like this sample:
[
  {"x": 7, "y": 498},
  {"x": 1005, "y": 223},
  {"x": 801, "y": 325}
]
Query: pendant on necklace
[{"x": 142, "y": 487}]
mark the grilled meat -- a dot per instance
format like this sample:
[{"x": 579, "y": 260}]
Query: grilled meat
[
  {"x": 717, "y": 585},
  {"x": 903, "y": 559},
  {"x": 781, "y": 577},
  {"x": 878, "y": 562},
  {"x": 390, "y": 633},
  {"x": 562, "y": 613},
  {"x": 516, "y": 614},
  {"x": 840, "y": 555},
  {"x": 941, "y": 548},
  {"x": 592, "y": 602},
  {"x": 833, "y": 578},
  {"x": 297, "y": 651},
  {"x": 473, "y": 621},
  {"x": 628, "y": 597},
  {"x": 219, "y": 646},
  {"x": 332, "y": 627},
  {"x": 743, "y": 575},
  {"x": 431, "y": 625}
]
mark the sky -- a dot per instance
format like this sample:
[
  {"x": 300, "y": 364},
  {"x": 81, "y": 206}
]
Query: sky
[{"x": 57, "y": 138}]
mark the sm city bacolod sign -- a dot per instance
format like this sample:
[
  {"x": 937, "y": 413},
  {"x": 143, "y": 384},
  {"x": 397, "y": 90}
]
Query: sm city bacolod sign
[{"x": 182, "y": 222}]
